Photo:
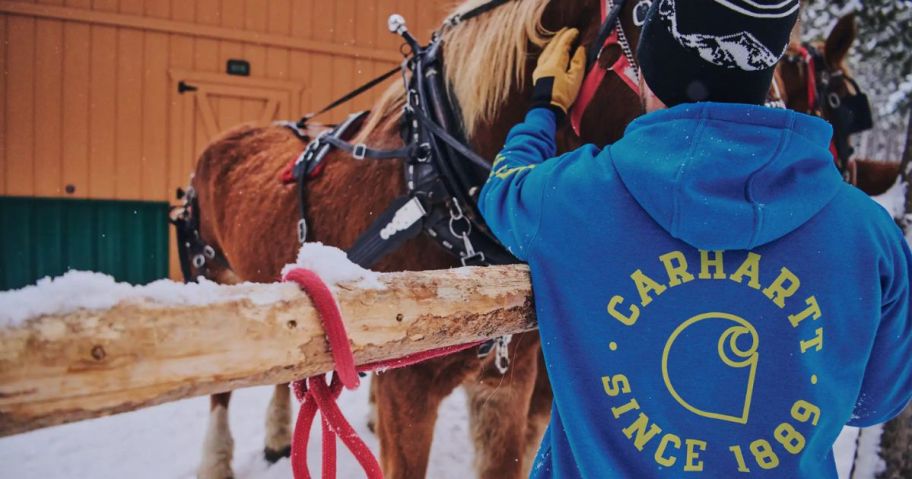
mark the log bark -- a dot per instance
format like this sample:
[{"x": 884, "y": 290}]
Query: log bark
[{"x": 58, "y": 369}]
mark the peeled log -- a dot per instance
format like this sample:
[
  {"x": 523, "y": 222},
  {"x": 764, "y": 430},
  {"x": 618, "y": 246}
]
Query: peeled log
[{"x": 91, "y": 363}]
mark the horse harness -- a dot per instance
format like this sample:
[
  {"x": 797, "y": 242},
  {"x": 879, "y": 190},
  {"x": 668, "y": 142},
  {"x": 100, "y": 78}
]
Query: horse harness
[
  {"x": 848, "y": 115},
  {"x": 443, "y": 175}
]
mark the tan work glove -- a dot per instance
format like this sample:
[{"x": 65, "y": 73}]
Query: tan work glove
[{"x": 557, "y": 79}]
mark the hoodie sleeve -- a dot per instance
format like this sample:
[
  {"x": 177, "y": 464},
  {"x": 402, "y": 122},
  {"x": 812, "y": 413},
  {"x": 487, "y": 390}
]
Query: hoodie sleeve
[
  {"x": 512, "y": 199},
  {"x": 887, "y": 385}
]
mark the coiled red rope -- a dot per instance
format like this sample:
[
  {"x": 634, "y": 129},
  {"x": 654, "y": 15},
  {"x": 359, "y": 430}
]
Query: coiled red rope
[{"x": 316, "y": 395}]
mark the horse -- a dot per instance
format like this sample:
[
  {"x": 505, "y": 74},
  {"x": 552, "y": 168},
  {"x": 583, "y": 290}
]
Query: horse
[
  {"x": 248, "y": 222},
  {"x": 875, "y": 177},
  {"x": 818, "y": 82}
]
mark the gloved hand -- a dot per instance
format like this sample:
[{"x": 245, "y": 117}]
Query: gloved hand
[{"x": 556, "y": 85}]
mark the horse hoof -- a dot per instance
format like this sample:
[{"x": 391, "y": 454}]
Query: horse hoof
[
  {"x": 273, "y": 455},
  {"x": 371, "y": 427}
]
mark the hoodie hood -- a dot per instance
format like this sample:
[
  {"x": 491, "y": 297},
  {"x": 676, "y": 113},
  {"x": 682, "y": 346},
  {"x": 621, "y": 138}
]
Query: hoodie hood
[{"x": 723, "y": 176}]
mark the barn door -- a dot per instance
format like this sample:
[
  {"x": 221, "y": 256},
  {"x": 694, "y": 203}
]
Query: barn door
[{"x": 214, "y": 103}]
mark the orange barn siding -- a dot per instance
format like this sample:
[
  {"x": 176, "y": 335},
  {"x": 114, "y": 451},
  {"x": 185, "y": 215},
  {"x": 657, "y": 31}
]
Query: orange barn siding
[
  {"x": 89, "y": 106},
  {"x": 86, "y": 98}
]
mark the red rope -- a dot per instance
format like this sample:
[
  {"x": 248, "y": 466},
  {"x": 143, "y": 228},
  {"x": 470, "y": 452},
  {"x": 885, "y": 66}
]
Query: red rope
[
  {"x": 315, "y": 395},
  {"x": 326, "y": 307}
]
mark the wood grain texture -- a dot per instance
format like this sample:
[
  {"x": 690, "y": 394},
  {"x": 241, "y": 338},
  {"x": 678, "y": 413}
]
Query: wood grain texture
[
  {"x": 4, "y": 45},
  {"x": 58, "y": 369}
]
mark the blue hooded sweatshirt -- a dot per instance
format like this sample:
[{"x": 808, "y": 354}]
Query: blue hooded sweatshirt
[{"x": 713, "y": 300}]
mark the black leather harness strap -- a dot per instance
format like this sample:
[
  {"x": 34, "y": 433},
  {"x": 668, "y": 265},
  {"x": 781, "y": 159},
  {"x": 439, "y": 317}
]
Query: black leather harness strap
[
  {"x": 194, "y": 254},
  {"x": 351, "y": 95}
]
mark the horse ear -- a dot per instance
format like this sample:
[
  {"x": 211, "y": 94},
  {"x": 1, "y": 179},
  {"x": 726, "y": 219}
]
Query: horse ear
[{"x": 840, "y": 40}]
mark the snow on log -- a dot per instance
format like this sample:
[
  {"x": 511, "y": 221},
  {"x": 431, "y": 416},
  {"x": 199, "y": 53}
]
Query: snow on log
[{"x": 61, "y": 367}]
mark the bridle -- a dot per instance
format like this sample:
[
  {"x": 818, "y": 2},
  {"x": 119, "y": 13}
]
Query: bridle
[{"x": 848, "y": 114}]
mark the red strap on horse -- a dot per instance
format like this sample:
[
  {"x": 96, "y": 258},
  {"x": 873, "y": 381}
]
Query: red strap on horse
[
  {"x": 595, "y": 76},
  {"x": 316, "y": 395},
  {"x": 594, "y": 79},
  {"x": 811, "y": 78}
]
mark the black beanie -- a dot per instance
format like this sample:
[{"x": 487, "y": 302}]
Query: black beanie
[{"x": 714, "y": 50}]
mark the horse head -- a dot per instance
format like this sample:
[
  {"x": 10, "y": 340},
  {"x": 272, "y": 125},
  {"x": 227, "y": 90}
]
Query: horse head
[
  {"x": 818, "y": 82},
  {"x": 489, "y": 63}
]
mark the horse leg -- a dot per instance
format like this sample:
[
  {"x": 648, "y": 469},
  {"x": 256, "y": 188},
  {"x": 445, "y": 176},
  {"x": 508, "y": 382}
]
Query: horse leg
[
  {"x": 218, "y": 447},
  {"x": 499, "y": 408},
  {"x": 539, "y": 414},
  {"x": 372, "y": 407},
  {"x": 278, "y": 425},
  {"x": 407, "y": 403}
]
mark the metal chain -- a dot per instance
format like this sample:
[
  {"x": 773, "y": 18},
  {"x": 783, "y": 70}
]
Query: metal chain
[{"x": 625, "y": 45}]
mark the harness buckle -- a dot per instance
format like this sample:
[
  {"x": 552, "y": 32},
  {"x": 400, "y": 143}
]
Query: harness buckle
[
  {"x": 359, "y": 152},
  {"x": 475, "y": 259},
  {"x": 209, "y": 252},
  {"x": 423, "y": 153},
  {"x": 199, "y": 261}
]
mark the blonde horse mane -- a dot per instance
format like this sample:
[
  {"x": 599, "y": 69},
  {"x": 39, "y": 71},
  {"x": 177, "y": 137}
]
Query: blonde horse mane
[{"x": 485, "y": 60}]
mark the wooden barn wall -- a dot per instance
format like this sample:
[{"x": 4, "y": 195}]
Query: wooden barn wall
[
  {"x": 89, "y": 102},
  {"x": 88, "y": 94}
]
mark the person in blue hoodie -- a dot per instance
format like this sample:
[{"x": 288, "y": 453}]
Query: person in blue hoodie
[{"x": 713, "y": 299}]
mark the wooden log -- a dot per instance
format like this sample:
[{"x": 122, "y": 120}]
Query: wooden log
[{"x": 91, "y": 363}]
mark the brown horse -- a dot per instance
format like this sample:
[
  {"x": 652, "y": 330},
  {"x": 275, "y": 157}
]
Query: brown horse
[
  {"x": 870, "y": 176},
  {"x": 250, "y": 219}
]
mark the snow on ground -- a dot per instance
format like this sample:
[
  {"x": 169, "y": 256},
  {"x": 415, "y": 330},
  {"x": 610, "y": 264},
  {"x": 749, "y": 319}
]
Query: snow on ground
[
  {"x": 164, "y": 442},
  {"x": 894, "y": 199}
]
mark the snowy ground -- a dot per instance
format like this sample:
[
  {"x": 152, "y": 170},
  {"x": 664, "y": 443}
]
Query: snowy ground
[{"x": 164, "y": 443}]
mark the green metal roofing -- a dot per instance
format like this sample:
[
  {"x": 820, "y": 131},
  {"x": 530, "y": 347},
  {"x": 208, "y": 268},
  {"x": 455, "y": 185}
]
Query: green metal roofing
[{"x": 47, "y": 236}]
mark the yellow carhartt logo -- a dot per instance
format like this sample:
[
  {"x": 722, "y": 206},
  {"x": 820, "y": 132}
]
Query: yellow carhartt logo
[
  {"x": 726, "y": 347},
  {"x": 506, "y": 171}
]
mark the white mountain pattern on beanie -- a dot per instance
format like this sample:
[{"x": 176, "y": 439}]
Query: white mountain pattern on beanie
[
  {"x": 761, "y": 10},
  {"x": 737, "y": 51}
]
